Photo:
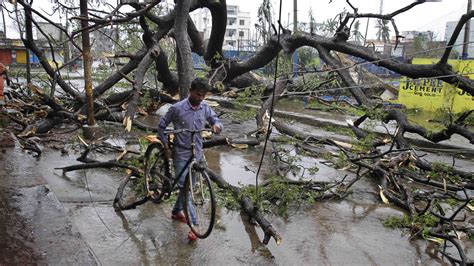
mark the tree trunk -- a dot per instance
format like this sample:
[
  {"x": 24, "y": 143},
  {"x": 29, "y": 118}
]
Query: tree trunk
[
  {"x": 185, "y": 70},
  {"x": 87, "y": 61}
]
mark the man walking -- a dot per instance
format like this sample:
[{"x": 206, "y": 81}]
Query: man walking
[{"x": 191, "y": 113}]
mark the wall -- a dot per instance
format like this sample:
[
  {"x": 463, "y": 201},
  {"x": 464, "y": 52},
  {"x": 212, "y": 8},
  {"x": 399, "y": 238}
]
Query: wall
[{"x": 6, "y": 56}]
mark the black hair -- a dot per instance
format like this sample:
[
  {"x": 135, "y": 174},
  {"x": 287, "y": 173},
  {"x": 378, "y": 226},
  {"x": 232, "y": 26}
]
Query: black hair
[{"x": 200, "y": 84}]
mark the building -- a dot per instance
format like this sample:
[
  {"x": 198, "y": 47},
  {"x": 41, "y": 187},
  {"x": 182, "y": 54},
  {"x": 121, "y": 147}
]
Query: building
[
  {"x": 50, "y": 32},
  {"x": 410, "y": 36},
  {"x": 13, "y": 52},
  {"x": 103, "y": 41},
  {"x": 450, "y": 26},
  {"x": 238, "y": 33}
]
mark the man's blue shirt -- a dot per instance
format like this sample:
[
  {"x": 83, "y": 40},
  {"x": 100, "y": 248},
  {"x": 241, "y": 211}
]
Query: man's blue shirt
[{"x": 183, "y": 116}]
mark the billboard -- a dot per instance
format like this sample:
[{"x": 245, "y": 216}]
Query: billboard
[{"x": 430, "y": 94}]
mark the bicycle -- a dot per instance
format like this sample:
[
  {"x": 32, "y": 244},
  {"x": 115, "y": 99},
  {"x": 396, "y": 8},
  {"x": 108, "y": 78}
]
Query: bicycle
[{"x": 159, "y": 183}]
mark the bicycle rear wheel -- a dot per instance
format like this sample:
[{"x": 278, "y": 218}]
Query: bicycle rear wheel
[
  {"x": 200, "y": 204},
  {"x": 157, "y": 183}
]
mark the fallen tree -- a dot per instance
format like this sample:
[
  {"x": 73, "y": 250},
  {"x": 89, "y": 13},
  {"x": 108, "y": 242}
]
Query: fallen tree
[{"x": 150, "y": 58}]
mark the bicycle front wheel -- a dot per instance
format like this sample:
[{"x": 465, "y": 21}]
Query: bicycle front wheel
[
  {"x": 126, "y": 197},
  {"x": 200, "y": 203},
  {"x": 157, "y": 183}
]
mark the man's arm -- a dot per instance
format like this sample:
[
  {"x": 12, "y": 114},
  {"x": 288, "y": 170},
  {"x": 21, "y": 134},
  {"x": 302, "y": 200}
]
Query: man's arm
[{"x": 212, "y": 119}]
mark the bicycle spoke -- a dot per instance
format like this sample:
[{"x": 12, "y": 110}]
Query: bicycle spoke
[
  {"x": 200, "y": 205},
  {"x": 156, "y": 171}
]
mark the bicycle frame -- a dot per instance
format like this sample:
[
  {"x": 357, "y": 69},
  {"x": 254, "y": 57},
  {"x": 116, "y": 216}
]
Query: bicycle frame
[{"x": 191, "y": 161}]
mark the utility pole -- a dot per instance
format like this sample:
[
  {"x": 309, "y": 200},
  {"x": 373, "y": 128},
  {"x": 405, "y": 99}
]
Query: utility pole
[
  {"x": 4, "y": 26},
  {"x": 117, "y": 34},
  {"x": 67, "y": 54},
  {"x": 28, "y": 16},
  {"x": 467, "y": 29},
  {"x": 366, "y": 30},
  {"x": 87, "y": 62},
  {"x": 295, "y": 29}
]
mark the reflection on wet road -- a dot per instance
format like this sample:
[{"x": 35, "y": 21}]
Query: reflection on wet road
[{"x": 346, "y": 232}]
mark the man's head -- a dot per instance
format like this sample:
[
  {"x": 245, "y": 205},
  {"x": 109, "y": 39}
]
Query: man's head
[{"x": 198, "y": 90}]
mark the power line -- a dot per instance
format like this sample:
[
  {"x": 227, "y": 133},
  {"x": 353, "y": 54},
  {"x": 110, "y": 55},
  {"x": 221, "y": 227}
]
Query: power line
[{"x": 267, "y": 135}]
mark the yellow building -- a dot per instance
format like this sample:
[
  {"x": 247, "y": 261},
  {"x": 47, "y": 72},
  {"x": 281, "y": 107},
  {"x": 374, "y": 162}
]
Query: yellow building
[{"x": 430, "y": 94}]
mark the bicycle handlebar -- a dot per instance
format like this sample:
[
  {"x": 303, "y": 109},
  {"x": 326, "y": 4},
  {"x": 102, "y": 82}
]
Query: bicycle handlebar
[{"x": 193, "y": 131}]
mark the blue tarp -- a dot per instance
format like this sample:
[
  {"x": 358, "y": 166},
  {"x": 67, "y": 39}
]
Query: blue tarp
[{"x": 33, "y": 58}]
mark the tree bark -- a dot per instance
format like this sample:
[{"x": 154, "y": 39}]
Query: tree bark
[
  {"x": 87, "y": 62},
  {"x": 186, "y": 75}
]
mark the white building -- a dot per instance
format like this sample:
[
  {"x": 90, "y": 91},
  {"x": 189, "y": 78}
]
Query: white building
[
  {"x": 237, "y": 35},
  {"x": 450, "y": 26}
]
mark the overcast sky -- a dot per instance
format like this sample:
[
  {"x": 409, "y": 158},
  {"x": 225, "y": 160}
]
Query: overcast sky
[{"x": 427, "y": 16}]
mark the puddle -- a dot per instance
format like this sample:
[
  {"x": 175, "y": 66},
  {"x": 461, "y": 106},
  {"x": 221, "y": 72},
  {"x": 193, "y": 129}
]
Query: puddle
[{"x": 346, "y": 232}]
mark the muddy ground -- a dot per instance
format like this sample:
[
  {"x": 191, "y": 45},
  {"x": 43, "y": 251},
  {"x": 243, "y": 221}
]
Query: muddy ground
[{"x": 55, "y": 218}]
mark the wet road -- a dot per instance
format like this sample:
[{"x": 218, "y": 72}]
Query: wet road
[
  {"x": 327, "y": 233},
  {"x": 78, "y": 224}
]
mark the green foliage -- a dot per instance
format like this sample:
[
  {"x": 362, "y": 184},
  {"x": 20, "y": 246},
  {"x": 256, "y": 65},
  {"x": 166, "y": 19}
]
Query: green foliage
[
  {"x": 225, "y": 198},
  {"x": 313, "y": 170},
  {"x": 366, "y": 144},
  {"x": 130, "y": 37},
  {"x": 276, "y": 197},
  {"x": 100, "y": 74},
  {"x": 356, "y": 34},
  {"x": 145, "y": 100},
  {"x": 383, "y": 32},
  {"x": 423, "y": 223},
  {"x": 340, "y": 130},
  {"x": 442, "y": 171},
  {"x": 376, "y": 113},
  {"x": 249, "y": 95},
  {"x": 264, "y": 15},
  {"x": 341, "y": 161},
  {"x": 285, "y": 64},
  {"x": 143, "y": 144},
  {"x": 329, "y": 27}
]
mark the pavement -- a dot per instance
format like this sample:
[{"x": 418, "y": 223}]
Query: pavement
[{"x": 34, "y": 226}]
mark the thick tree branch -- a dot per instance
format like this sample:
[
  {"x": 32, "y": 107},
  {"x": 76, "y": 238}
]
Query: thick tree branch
[
  {"x": 218, "y": 10},
  {"x": 345, "y": 76},
  {"x": 406, "y": 126},
  {"x": 464, "y": 18}
]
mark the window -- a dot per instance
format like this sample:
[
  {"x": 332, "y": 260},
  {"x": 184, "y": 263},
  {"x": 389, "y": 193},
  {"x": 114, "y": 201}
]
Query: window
[
  {"x": 230, "y": 32},
  {"x": 231, "y": 21},
  {"x": 231, "y": 43},
  {"x": 241, "y": 34},
  {"x": 241, "y": 22}
]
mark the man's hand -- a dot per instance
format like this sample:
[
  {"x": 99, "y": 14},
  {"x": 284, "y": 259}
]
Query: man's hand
[{"x": 216, "y": 129}]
